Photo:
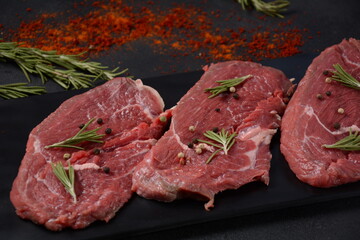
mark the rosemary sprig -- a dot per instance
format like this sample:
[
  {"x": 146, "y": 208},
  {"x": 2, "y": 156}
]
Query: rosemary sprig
[
  {"x": 18, "y": 90},
  {"x": 272, "y": 8},
  {"x": 349, "y": 143},
  {"x": 67, "y": 179},
  {"x": 81, "y": 136},
  {"x": 225, "y": 85},
  {"x": 224, "y": 138},
  {"x": 69, "y": 71},
  {"x": 340, "y": 75}
]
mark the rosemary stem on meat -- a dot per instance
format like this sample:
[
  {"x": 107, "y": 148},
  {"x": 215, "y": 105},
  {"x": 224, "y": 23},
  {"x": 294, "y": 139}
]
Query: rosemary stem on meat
[
  {"x": 225, "y": 85},
  {"x": 340, "y": 75},
  {"x": 67, "y": 179},
  {"x": 348, "y": 143},
  {"x": 79, "y": 137},
  {"x": 224, "y": 141}
]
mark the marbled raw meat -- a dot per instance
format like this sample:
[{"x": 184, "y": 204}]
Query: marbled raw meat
[
  {"x": 254, "y": 116},
  {"x": 102, "y": 179},
  {"x": 308, "y": 122}
]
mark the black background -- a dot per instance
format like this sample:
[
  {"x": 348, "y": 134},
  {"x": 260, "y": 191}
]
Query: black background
[{"x": 328, "y": 21}]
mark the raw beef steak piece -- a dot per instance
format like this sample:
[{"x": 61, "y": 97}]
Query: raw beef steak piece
[
  {"x": 175, "y": 169},
  {"x": 102, "y": 170},
  {"x": 312, "y": 120}
]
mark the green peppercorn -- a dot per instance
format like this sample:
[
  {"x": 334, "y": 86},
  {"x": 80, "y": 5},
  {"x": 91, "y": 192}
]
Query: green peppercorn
[{"x": 163, "y": 119}]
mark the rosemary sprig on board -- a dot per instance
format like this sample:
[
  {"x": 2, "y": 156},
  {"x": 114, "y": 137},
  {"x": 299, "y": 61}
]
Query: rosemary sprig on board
[
  {"x": 69, "y": 71},
  {"x": 340, "y": 75},
  {"x": 18, "y": 90},
  {"x": 225, "y": 85},
  {"x": 67, "y": 179},
  {"x": 81, "y": 136},
  {"x": 348, "y": 143},
  {"x": 272, "y": 8},
  {"x": 224, "y": 138}
]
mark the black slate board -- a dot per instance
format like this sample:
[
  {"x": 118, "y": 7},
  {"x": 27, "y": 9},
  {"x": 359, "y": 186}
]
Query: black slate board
[{"x": 18, "y": 117}]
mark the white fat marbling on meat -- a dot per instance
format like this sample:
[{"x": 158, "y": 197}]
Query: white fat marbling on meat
[
  {"x": 37, "y": 145},
  {"x": 78, "y": 167},
  {"x": 258, "y": 136},
  {"x": 101, "y": 107},
  {"x": 45, "y": 182},
  {"x": 228, "y": 109},
  {"x": 141, "y": 86},
  {"x": 346, "y": 59},
  {"x": 183, "y": 146},
  {"x": 310, "y": 112},
  {"x": 147, "y": 112}
]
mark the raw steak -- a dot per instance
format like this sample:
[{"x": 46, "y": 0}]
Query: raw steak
[
  {"x": 254, "y": 115},
  {"x": 102, "y": 170},
  {"x": 309, "y": 120}
]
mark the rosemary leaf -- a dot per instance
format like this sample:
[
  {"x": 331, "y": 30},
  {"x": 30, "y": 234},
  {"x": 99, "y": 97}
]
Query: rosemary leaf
[
  {"x": 340, "y": 75},
  {"x": 224, "y": 138},
  {"x": 67, "y": 179},
  {"x": 69, "y": 71},
  {"x": 18, "y": 90},
  {"x": 81, "y": 136},
  {"x": 272, "y": 8},
  {"x": 225, "y": 85},
  {"x": 348, "y": 143}
]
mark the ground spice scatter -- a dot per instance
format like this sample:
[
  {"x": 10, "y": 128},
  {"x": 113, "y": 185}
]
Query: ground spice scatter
[{"x": 179, "y": 30}]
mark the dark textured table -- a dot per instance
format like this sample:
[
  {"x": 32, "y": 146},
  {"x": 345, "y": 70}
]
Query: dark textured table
[{"x": 328, "y": 23}]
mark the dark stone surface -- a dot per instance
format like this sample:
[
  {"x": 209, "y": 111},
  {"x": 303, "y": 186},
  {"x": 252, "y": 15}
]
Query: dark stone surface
[{"x": 328, "y": 23}]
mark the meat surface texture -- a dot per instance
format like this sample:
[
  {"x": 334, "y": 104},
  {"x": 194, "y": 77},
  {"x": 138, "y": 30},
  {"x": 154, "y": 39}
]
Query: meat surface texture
[
  {"x": 103, "y": 171},
  {"x": 254, "y": 115},
  {"x": 310, "y": 121}
]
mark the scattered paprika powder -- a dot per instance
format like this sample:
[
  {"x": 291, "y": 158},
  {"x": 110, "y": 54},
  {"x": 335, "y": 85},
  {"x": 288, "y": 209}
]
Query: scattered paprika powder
[{"x": 179, "y": 30}]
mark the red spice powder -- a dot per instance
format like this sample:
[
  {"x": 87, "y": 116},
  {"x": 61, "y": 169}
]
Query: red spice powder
[{"x": 182, "y": 29}]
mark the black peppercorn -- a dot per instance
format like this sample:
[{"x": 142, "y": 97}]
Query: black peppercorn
[
  {"x": 99, "y": 121},
  {"x": 81, "y": 126},
  {"x": 215, "y": 129},
  {"x": 319, "y": 96},
  {"x": 96, "y": 151},
  {"x": 108, "y": 130},
  {"x": 195, "y": 141},
  {"x": 236, "y": 96},
  {"x": 326, "y": 73},
  {"x": 337, "y": 125},
  {"x": 217, "y": 109},
  {"x": 190, "y": 145},
  {"x": 328, "y": 93},
  {"x": 106, "y": 169}
]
